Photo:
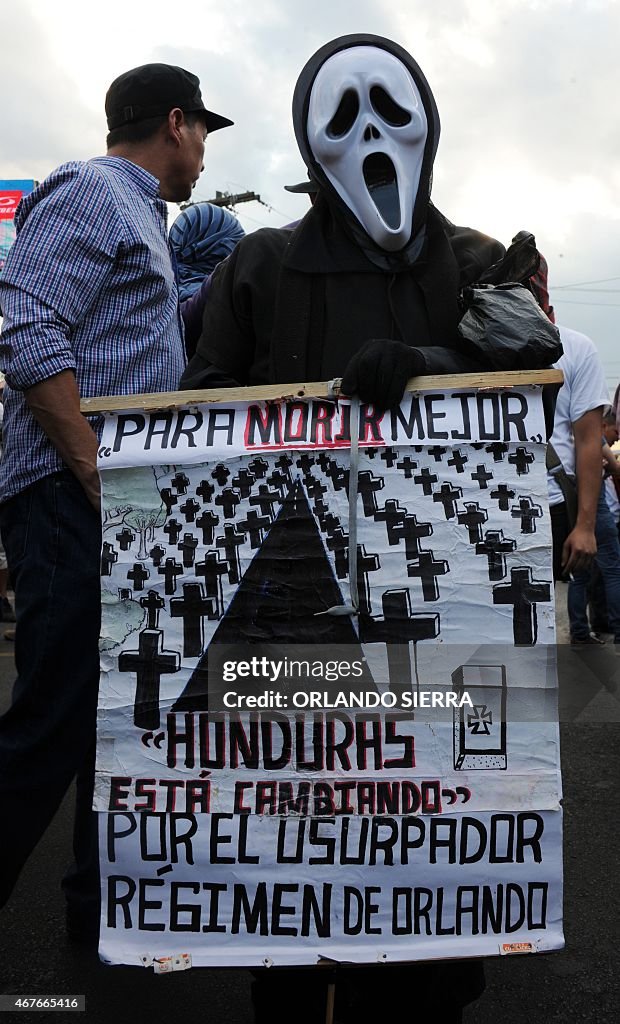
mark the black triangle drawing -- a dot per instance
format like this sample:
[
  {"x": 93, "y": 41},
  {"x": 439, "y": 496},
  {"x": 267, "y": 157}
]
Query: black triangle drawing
[{"x": 289, "y": 580}]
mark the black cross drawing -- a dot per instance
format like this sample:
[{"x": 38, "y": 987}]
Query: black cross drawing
[
  {"x": 266, "y": 499},
  {"x": 230, "y": 543},
  {"x": 188, "y": 548},
  {"x": 305, "y": 462},
  {"x": 157, "y": 553},
  {"x": 180, "y": 481},
  {"x": 392, "y": 514},
  {"x": 497, "y": 450},
  {"x": 329, "y": 523},
  {"x": 399, "y": 627},
  {"x": 407, "y": 465},
  {"x": 338, "y": 541},
  {"x": 366, "y": 563},
  {"x": 411, "y": 531},
  {"x": 189, "y": 509},
  {"x": 478, "y": 722},
  {"x": 495, "y": 546},
  {"x": 368, "y": 484},
  {"x": 371, "y": 452},
  {"x": 258, "y": 466},
  {"x": 192, "y": 608},
  {"x": 458, "y": 460},
  {"x": 205, "y": 490},
  {"x": 437, "y": 452},
  {"x": 108, "y": 557},
  {"x": 212, "y": 570},
  {"x": 207, "y": 523},
  {"x": 528, "y": 513},
  {"x": 169, "y": 499},
  {"x": 124, "y": 593},
  {"x": 523, "y": 593},
  {"x": 314, "y": 487},
  {"x": 320, "y": 508},
  {"x": 284, "y": 464},
  {"x": 173, "y": 530},
  {"x": 447, "y": 495},
  {"x": 153, "y": 604},
  {"x": 170, "y": 570},
  {"x": 149, "y": 663},
  {"x": 221, "y": 473},
  {"x": 338, "y": 476},
  {"x": 228, "y": 501},
  {"x": 473, "y": 517},
  {"x": 255, "y": 525},
  {"x": 401, "y": 525},
  {"x": 503, "y": 495},
  {"x": 138, "y": 575},
  {"x": 280, "y": 481},
  {"x": 389, "y": 456},
  {"x": 521, "y": 459},
  {"x": 125, "y": 538},
  {"x": 427, "y": 479},
  {"x": 482, "y": 476},
  {"x": 427, "y": 568},
  {"x": 244, "y": 481},
  {"x": 325, "y": 462}
]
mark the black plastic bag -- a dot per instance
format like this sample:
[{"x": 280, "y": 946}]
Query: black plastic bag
[{"x": 505, "y": 328}]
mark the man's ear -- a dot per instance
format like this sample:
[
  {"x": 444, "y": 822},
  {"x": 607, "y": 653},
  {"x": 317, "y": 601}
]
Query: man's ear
[{"x": 176, "y": 120}]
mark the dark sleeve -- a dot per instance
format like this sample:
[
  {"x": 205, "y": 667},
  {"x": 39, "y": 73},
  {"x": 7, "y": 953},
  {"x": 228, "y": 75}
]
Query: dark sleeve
[
  {"x": 192, "y": 311},
  {"x": 448, "y": 360},
  {"x": 225, "y": 348},
  {"x": 237, "y": 320}
]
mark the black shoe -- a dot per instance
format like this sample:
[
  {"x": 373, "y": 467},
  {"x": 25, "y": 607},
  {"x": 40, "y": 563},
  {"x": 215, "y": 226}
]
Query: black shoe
[{"x": 585, "y": 641}]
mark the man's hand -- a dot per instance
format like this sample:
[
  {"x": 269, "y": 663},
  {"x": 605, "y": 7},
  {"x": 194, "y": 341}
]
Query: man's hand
[
  {"x": 579, "y": 549},
  {"x": 55, "y": 404},
  {"x": 379, "y": 372},
  {"x": 580, "y": 545}
]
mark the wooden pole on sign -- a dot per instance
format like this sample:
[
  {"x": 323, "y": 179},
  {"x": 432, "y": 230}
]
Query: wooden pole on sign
[
  {"x": 331, "y": 998},
  {"x": 319, "y": 389}
]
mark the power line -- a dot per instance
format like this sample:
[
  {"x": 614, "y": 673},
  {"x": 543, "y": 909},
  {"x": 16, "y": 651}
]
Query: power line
[
  {"x": 601, "y": 305},
  {"x": 578, "y": 284}
]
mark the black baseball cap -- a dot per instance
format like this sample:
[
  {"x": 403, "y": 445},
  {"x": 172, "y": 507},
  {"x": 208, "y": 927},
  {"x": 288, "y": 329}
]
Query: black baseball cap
[{"x": 153, "y": 90}]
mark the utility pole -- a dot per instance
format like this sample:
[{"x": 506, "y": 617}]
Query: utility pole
[{"x": 229, "y": 200}]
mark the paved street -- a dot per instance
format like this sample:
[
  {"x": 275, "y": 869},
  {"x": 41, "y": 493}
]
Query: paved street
[{"x": 580, "y": 984}]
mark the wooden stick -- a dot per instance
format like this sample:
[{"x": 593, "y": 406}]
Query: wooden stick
[
  {"x": 318, "y": 389},
  {"x": 331, "y": 999}
]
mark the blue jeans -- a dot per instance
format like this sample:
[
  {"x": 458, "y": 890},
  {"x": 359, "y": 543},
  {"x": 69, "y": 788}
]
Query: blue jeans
[
  {"x": 608, "y": 561},
  {"x": 52, "y": 537}
]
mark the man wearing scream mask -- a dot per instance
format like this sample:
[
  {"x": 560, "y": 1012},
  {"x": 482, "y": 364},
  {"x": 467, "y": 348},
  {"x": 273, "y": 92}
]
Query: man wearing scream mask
[{"x": 367, "y": 286}]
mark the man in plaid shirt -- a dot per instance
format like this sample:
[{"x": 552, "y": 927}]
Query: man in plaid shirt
[{"x": 90, "y": 305}]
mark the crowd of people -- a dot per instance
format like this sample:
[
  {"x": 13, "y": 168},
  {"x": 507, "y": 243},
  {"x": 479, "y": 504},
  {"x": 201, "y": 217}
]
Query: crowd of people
[{"x": 99, "y": 298}]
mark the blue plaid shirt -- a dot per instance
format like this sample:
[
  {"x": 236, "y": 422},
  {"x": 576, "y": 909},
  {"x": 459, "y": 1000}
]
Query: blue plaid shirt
[{"x": 88, "y": 286}]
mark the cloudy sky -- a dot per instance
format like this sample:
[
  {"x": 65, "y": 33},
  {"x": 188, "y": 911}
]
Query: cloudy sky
[{"x": 526, "y": 91}]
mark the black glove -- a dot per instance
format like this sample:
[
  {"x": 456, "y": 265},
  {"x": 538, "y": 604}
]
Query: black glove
[{"x": 380, "y": 370}]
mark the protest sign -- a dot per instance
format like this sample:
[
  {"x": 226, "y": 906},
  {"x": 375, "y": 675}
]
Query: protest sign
[
  {"x": 11, "y": 192},
  {"x": 279, "y": 779}
]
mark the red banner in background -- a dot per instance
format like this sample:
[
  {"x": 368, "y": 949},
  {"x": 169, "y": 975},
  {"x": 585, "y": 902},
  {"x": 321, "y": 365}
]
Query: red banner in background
[{"x": 8, "y": 204}]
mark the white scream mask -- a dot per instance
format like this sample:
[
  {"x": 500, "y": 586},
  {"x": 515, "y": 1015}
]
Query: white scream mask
[{"x": 367, "y": 130}]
